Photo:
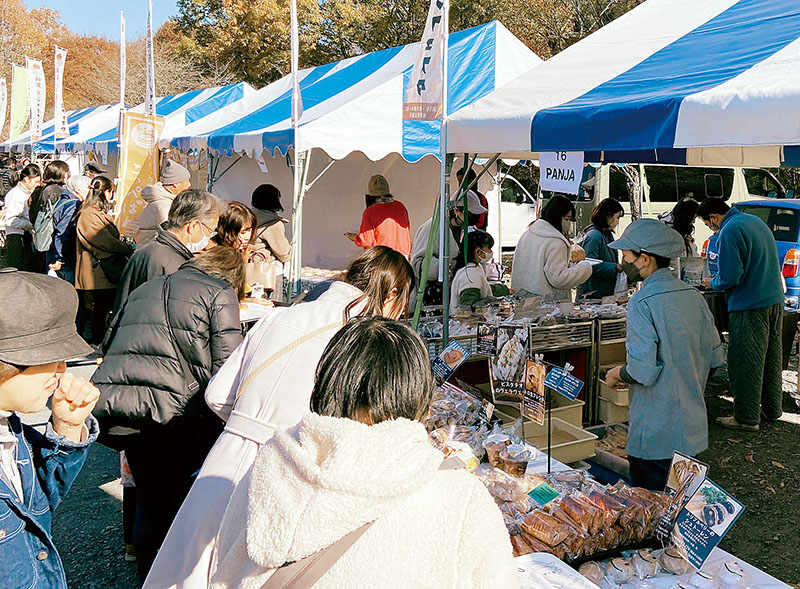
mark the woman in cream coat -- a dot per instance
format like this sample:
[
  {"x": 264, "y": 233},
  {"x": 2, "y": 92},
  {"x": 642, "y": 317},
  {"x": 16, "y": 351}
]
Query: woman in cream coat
[
  {"x": 542, "y": 258},
  {"x": 272, "y": 372},
  {"x": 363, "y": 456}
]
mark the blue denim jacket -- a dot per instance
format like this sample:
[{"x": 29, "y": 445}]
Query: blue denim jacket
[{"x": 48, "y": 465}]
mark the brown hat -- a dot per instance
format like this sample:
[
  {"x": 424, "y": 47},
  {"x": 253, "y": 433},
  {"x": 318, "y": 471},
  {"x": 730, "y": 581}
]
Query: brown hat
[
  {"x": 38, "y": 323},
  {"x": 378, "y": 186}
]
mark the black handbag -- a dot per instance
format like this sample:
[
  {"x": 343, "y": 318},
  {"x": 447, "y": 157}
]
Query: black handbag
[{"x": 113, "y": 266}]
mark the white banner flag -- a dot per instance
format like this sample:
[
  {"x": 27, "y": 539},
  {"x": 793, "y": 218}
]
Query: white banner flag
[
  {"x": 123, "y": 60},
  {"x": 37, "y": 96},
  {"x": 425, "y": 93},
  {"x": 3, "y": 101},
  {"x": 150, "y": 89},
  {"x": 59, "y": 114},
  {"x": 297, "y": 101}
]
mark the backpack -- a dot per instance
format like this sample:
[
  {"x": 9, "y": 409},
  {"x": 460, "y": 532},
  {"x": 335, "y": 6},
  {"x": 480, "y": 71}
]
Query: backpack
[{"x": 43, "y": 228}]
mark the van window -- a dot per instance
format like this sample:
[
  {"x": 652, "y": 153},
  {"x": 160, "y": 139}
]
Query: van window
[
  {"x": 511, "y": 192},
  {"x": 673, "y": 183},
  {"x": 761, "y": 183},
  {"x": 783, "y": 223}
]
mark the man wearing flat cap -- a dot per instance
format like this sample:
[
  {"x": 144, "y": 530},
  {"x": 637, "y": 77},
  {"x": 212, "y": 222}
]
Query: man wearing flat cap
[
  {"x": 174, "y": 180},
  {"x": 385, "y": 222},
  {"x": 671, "y": 347}
]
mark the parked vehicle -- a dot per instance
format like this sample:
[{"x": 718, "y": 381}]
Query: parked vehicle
[
  {"x": 783, "y": 219},
  {"x": 517, "y": 210}
]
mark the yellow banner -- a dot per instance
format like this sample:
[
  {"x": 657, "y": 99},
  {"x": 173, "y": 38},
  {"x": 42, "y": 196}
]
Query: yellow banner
[{"x": 138, "y": 166}]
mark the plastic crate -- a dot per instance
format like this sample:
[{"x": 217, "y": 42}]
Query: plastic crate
[
  {"x": 562, "y": 336},
  {"x": 616, "y": 396},
  {"x": 568, "y": 442},
  {"x": 611, "y": 412}
]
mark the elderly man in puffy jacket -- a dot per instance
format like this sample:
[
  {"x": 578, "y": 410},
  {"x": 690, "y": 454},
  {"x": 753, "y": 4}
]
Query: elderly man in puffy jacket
[{"x": 172, "y": 336}]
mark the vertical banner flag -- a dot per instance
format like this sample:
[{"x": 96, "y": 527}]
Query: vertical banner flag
[
  {"x": 19, "y": 100},
  {"x": 37, "y": 95},
  {"x": 424, "y": 94},
  {"x": 123, "y": 60},
  {"x": 138, "y": 166},
  {"x": 59, "y": 114},
  {"x": 297, "y": 101},
  {"x": 3, "y": 100},
  {"x": 150, "y": 88}
]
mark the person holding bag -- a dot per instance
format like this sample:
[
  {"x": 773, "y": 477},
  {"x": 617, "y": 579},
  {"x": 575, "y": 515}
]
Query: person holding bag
[
  {"x": 173, "y": 334},
  {"x": 359, "y": 476},
  {"x": 264, "y": 386},
  {"x": 101, "y": 254}
]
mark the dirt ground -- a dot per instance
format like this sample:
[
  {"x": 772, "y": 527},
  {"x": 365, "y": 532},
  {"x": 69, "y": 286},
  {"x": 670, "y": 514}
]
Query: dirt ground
[{"x": 762, "y": 470}]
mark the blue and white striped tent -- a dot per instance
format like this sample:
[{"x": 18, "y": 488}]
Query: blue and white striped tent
[
  {"x": 713, "y": 82},
  {"x": 356, "y": 104},
  {"x": 46, "y": 144},
  {"x": 179, "y": 109}
]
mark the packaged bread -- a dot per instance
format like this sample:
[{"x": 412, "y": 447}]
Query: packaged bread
[
  {"x": 546, "y": 528},
  {"x": 520, "y": 545},
  {"x": 645, "y": 564},
  {"x": 672, "y": 562},
  {"x": 619, "y": 570},
  {"x": 576, "y": 253},
  {"x": 493, "y": 445},
  {"x": 592, "y": 571}
]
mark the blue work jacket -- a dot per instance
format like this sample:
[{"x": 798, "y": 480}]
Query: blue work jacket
[
  {"x": 671, "y": 346},
  {"x": 604, "y": 275},
  {"x": 64, "y": 246},
  {"x": 48, "y": 465}
]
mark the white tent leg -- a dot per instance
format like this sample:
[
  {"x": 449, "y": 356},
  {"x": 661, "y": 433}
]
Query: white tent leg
[{"x": 300, "y": 176}]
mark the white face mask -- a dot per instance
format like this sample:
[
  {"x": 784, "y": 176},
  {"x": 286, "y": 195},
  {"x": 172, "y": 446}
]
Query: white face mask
[
  {"x": 198, "y": 247},
  {"x": 567, "y": 227}
]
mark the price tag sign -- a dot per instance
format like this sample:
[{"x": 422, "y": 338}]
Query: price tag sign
[
  {"x": 446, "y": 363},
  {"x": 561, "y": 171},
  {"x": 543, "y": 494},
  {"x": 563, "y": 383},
  {"x": 487, "y": 339}
]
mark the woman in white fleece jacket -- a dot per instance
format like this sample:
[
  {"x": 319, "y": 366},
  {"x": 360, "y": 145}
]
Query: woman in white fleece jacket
[
  {"x": 542, "y": 259},
  {"x": 361, "y": 457}
]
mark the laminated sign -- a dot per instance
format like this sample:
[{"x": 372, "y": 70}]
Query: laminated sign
[
  {"x": 425, "y": 91},
  {"x": 534, "y": 400},
  {"x": 446, "y": 363},
  {"x": 561, "y": 171},
  {"x": 507, "y": 367},
  {"x": 562, "y": 382}
]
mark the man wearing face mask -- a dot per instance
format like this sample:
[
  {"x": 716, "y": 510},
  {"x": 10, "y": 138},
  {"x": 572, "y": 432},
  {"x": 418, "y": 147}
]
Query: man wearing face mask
[
  {"x": 671, "y": 347},
  {"x": 189, "y": 227},
  {"x": 750, "y": 275},
  {"x": 433, "y": 289},
  {"x": 159, "y": 197}
]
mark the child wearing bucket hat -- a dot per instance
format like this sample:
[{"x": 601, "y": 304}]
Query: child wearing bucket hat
[
  {"x": 37, "y": 336},
  {"x": 671, "y": 347}
]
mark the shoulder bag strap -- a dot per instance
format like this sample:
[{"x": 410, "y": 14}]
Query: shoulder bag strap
[
  {"x": 282, "y": 352},
  {"x": 191, "y": 382},
  {"x": 304, "y": 573}
]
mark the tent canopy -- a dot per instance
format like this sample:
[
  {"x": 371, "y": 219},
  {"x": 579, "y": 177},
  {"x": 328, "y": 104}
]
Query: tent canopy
[
  {"x": 672, "y": 81},
  {"x": 100, "y": 134},
  {"x": 356, "y": 104},
  {"x": 46, "y": 144}
]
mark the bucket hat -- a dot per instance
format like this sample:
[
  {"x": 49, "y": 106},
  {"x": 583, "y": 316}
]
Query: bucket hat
[
  {"x": 651, "y": 236},
  {"x": 378, "y": 186},
  {"x": 37, "y": 325}
]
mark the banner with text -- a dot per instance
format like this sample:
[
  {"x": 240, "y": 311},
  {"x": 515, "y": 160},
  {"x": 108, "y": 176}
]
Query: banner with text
[
  {"x": 138, "y": 166},
  {"x": 3, "y": 101},
  {"x": 425, "y": 91},
  {"x": 37, "y": 96},
  {"x": 123, "y": 60},
  {"x": 19, "y": 100},
  {"x": 561, "y": 171},
  {"x": 60, "y": 115}
]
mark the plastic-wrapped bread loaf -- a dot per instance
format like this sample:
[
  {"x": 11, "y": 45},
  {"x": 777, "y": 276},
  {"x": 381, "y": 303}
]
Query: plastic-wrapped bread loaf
[{"x": 546, "y": 528}]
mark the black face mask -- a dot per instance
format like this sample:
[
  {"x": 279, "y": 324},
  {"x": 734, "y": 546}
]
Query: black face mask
[{"x": 632, "y": 272}]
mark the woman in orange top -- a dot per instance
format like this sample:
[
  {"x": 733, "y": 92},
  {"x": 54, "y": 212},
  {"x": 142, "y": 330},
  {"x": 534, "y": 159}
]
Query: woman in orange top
[{"x": 385, "y": 222}]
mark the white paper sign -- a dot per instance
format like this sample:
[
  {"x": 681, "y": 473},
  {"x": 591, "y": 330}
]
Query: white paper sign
[
  {"x": 262, "y": 164},
  {"x": 60, "y": 115},
  {"x": 36, "y": 96},
  {"x": 561, "y": 171}
]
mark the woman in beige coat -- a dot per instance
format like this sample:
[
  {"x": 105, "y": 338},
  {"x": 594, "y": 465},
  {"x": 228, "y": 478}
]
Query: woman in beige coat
[
  {"x": 363, "y": 457},
  {"x": 98, "y": 239},
  {"x": 543, "y": 255}
]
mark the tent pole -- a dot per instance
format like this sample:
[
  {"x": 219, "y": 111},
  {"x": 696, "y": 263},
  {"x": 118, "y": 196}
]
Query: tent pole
[
  {"x": 226, "y": 169},
  {"x": 444, "y": 241},
  {"x": 426, "y": 264},
  {"x": 300, "y": 176}
]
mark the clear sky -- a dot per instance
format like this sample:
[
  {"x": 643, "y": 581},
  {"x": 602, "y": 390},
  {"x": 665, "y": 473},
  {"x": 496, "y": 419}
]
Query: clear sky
[{"x": 101, "y": 17}]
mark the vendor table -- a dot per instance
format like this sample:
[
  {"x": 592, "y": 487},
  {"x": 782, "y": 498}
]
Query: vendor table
[{"x": 251, "y": 313}]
